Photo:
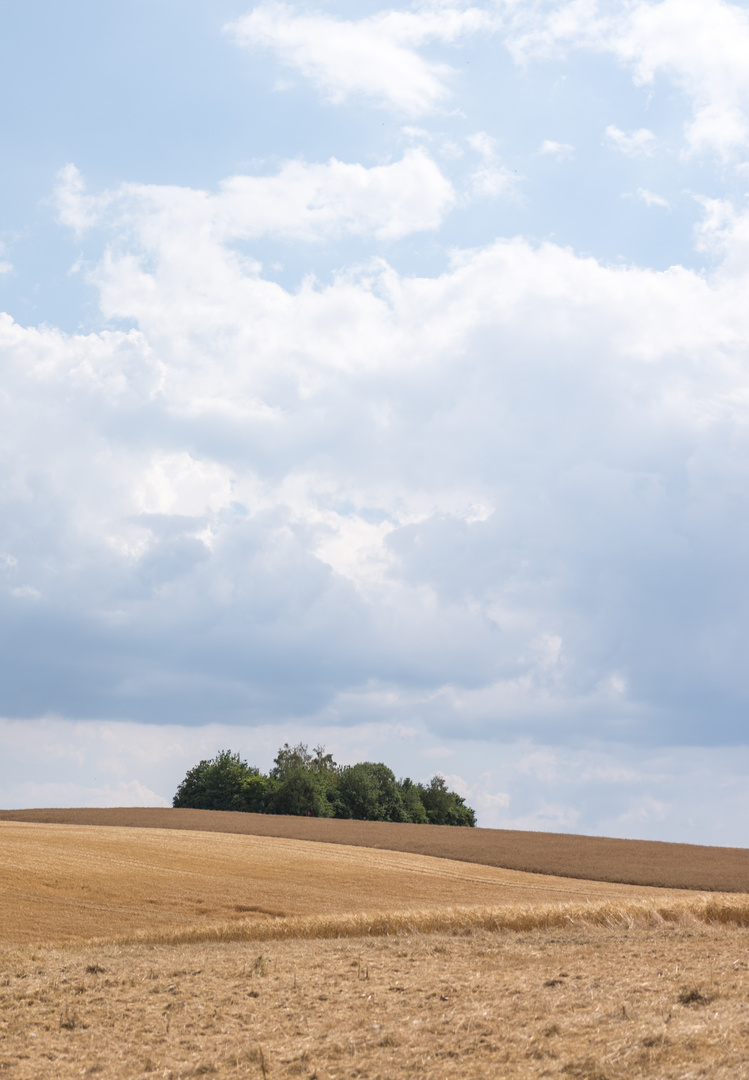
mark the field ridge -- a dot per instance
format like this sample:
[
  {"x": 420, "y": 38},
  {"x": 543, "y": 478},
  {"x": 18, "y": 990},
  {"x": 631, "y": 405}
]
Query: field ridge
[{"x": 593, "y": 858}]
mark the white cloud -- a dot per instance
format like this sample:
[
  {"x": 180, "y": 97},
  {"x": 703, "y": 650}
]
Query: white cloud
[
  {"x": 491, "y": 178},
  {"x": 408, "y": 498},
  {"x": 308, "y": 202},
  {"x": 703, "y": 46},
  {"x": 700, "y": 45},
  {"x": 636, "y": 144},
  {"x": 724, "y": 233},
  {"x": 481, "y": 796},
  {"x": 178, "y": 484},
  {"x": 75, "y": 207},
  {"x": 25, "y": 591},
  {"x": 651, "y": 199},
  {"x": 483, "y": 499},
  {"x": 374, "y": 56},
  {"x": 561, "y": 151}
]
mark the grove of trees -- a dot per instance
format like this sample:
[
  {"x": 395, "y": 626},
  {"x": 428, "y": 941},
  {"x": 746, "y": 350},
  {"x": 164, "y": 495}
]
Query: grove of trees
[{"x": 309, "y": 783}]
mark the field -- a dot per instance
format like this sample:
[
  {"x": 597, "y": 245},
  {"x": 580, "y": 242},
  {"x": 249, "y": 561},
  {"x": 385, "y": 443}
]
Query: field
[
  {"x": 595, "y": 1003},
  {"x": 76, "y": 882},
  {"x": 638, "y": 862},
  {"x": 128, "y": 952}
]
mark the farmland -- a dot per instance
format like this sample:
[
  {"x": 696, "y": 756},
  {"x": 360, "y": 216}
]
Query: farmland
[
  {"x": 594, "y": 1003},
  {"x": 635, "y": 862},
  {"x": 176, "y": 952},
  {"x": 75, "y": 882}
]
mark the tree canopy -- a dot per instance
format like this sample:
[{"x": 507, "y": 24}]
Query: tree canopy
[{"x": 310, "y": 783}]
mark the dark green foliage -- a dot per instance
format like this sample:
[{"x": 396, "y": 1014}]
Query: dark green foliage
[
  {"x": 443, "y": 806},
  {"x": 309, "y": 783},
  {"x": 299, "y": 793},
  {"x": 214, "y": 784},
  {"x": 412, "y": 802},
  {"x": 369, "y": 792},
  {"x": 253, "y": 794}
]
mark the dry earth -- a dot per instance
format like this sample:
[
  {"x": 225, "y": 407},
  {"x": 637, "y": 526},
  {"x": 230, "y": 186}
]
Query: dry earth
[
  {"x": 636, "y": 862},
  {"x": 588, "y": 1003}
]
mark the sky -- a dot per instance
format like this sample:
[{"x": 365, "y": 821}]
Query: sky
[{"x": 379, "y": 377}]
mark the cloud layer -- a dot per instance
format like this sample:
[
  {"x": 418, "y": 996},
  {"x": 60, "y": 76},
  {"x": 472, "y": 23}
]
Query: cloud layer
[
  {"x": 350, "y": 441},
  {"x": 510, "y": 496}
]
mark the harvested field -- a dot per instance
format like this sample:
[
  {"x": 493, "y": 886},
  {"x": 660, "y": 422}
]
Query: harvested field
[
  {"x": 623, "y": 1002},
  {"x": 636, "y": 862},
  {"x": 184, "y": 954},
  {"x": 71, "y": 882}
]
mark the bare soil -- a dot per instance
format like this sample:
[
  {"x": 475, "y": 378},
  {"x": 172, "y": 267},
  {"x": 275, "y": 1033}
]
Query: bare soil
[
  {"x": 635, "y": 862},
  {"x": 585, "y": 1003}
]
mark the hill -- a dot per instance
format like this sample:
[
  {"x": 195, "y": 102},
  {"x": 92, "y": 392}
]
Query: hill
[
  {"x": 191, "y": 952},
  {"x": 632, "y": 862},
  {"x": 78, "y": 882}
]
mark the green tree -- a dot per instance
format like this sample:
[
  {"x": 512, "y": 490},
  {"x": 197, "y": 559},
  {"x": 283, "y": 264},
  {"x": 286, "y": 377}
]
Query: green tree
[
  {"x": 369, "y": 792},
  {"x": 298, "y": 758},
  {"x": 300, "y": 793},
  {"x": 304, "y": 781},
  {"x": 445, "y": 807},
  {"x": 254, "y": 794},
  {"x": 412, "y": 804},
  {"x": 214, "y": 784}
]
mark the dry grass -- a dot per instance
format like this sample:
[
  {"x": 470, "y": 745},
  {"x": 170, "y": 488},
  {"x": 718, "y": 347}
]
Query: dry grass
[
  {"x": 714, "y": 910},
  {"x": 636, "y": 862},
  {"x": 67, "y": 882},
  {"x": 588, "y": 1002},
  {"x": 227, "y": 955}
]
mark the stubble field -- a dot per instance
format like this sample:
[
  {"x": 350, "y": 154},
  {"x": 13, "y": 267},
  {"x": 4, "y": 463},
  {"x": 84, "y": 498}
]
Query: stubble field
[
  {"x": 130, "y": 952},
  {"x": 593, "y": 1003},
  {"x": 634, "y": 862},
  {"x": 72, "y": 883}
]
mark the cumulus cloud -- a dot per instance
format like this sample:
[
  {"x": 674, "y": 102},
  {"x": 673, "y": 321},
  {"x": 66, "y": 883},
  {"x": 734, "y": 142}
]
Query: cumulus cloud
[
  {"x": 700, "y": 45},
  {"x": 302, "y": 201},
  {"x": 509, "y": 498},
  {"x": 376, "y": 56},
  {"x": 634, "y": 144},
  {"x": 724, "y": 233}
]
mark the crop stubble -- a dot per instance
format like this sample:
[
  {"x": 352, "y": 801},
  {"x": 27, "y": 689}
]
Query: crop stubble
[
  {"x": 73, "y": 882},
  {"x": 592, "y": 1003},
  {"x": 215, "y": 958},
  {"x": 636, "y": 862}
]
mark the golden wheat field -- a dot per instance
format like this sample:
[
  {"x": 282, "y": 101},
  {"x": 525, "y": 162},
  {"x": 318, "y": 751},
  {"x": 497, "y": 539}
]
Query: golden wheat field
[
  {"x": 72, "y": 882},
  {"x": 128, "y": 952},
  {"x": 599, "y": 858}
]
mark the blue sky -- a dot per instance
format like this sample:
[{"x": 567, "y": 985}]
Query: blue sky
[{"x": 378, "y": 376}]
